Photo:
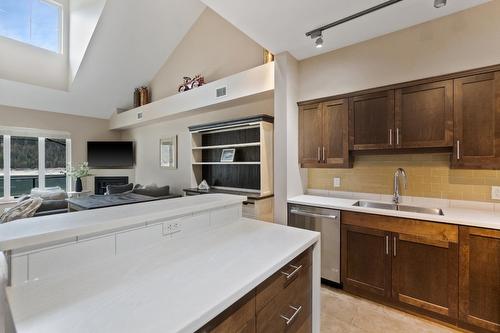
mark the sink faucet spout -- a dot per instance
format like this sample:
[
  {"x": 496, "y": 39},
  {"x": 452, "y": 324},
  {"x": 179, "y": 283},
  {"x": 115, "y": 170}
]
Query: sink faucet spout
[{"x": 400, "y": 172}]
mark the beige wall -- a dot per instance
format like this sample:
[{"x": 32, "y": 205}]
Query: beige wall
[
  {"x": 465, "y": 40},
  {"x": 214, "y": 48},
  {"x": 81, "y": 129}
]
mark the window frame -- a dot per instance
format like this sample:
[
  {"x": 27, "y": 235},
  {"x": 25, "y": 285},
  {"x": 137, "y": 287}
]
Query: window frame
[
  {"x": 60, "y": 49},
  {"x": 6, "y": 196}
]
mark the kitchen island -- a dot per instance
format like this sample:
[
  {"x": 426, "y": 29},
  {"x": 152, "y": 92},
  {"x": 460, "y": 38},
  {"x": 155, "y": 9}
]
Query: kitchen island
[{"x": 201, "y": 264}]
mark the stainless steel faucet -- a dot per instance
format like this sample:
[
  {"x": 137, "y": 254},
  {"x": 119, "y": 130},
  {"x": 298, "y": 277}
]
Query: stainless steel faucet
[{"x": 397, "y": 196}]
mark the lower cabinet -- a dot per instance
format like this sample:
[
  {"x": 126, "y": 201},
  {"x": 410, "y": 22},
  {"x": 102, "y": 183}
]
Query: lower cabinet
[
  {"x": 408, "y": 263},
  {"x": 282, "y": 303},
  {"x": 479, "y": 281}
]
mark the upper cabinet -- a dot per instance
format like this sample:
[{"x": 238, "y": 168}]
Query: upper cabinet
[
  {"x": 323, "y": 135},
  {"x": 477, "y": 122},
  {"x": 371, "y": 120},
  {"x": 424, "y": 116},
  {"x": 456, "y": 113}
]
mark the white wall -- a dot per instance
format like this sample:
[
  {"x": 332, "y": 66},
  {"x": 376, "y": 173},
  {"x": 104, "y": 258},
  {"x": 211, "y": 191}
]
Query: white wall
[
  {"x": 147, "y": 140},
  {"x": 83, "y": 18},
  {"x": 466, "y": 40},
  {"x": 29, "y": 64}
]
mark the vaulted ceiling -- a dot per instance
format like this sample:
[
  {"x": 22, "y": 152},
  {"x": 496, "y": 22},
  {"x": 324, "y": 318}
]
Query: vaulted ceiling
[
  {"x": 280, "y": 25},
  {"x": 133, "y": 39}
]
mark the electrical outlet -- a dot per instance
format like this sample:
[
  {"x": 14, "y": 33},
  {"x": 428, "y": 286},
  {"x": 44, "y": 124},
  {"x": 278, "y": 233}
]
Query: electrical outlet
[
  {"x": 172, "y": 228},
  {"x": 336, "y": 181},
  {"x": 495, "y": 192}
]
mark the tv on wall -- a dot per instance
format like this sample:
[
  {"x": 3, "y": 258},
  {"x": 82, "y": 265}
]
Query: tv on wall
[{"x": 110, "y": 154}]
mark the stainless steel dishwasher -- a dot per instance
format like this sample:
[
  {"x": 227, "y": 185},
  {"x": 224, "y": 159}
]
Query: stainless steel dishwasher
[{"x": 327, "y": 222}]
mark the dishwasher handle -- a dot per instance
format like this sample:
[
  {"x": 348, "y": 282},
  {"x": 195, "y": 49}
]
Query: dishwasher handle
[{"x": 309, "y": 214}]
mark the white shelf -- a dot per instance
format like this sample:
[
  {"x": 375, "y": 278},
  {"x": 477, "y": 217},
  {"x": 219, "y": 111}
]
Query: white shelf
[
  {"x": 236, "y": 145},
  {"x": 217, "y": 163},
  {"x": 254, "y": 84}
]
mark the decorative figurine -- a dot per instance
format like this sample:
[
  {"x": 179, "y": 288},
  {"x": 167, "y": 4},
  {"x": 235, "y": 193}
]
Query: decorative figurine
[{"x": 190, "y": 83}]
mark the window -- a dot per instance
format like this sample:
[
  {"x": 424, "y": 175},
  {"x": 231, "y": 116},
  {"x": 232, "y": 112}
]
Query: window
[
  {"x": 35, "y": 22},
  {"x": 30, "y": 161}
]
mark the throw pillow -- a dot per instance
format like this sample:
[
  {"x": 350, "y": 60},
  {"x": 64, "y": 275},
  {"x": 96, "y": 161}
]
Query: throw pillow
[
  {"x": 153, "y": 190},
  {"x": 119, "y": 189}
]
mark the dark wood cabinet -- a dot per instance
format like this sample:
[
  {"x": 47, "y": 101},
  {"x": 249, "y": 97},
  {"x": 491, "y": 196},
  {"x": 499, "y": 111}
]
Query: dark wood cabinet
[
  {"x": 323, "y": 135},
  {"x": 479, "y": 281},
  {"x": 424, "y": 115},
  {"x": 335, "y": 133},
  {"x": 425, "y": 273},
  {"x": 310, "y": 135},
  {"x": 477, "y": 122},
  {"x": 366, "y": 261},
  {"x": 371, "y": 121},
  {"x": 282, "y": 303}
]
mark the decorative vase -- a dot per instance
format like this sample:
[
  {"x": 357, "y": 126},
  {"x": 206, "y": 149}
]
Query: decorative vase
[{"x": 78, "y": 185}]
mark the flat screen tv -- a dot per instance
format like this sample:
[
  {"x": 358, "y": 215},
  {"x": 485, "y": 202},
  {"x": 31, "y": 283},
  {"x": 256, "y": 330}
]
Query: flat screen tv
[{"x": 110, "y": 154}]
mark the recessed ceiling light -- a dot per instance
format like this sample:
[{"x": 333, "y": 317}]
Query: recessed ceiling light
[{"x": 439, "y": 3}]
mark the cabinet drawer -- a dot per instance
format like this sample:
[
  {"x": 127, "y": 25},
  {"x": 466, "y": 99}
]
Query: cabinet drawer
[
  {"x": 282, "y": 279},
  {"x": 290, "y": 310}
]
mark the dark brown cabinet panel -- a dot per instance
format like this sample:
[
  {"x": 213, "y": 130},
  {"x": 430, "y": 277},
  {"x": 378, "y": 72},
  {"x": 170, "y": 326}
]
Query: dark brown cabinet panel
[
  {"x": 310, "y": 134},
  {"x": 479, "y": 281},
  {"x": 335, "y": 133},
  {"x": 366, "y": 261},
  {"x": 323, "y": 135},
  {"x": 425, "y": 274},
  {"x": 371, "y": 119},
  {"x": 424, "y": 115},
  {"x": 477, "y": 122}
]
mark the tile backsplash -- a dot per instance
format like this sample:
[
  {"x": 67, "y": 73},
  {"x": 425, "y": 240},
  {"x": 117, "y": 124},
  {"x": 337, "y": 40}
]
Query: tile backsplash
[{"x": 429, "y": 175}]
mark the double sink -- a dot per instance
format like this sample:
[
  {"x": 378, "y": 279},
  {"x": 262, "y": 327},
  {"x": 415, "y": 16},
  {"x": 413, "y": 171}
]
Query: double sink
[{"x": 402, "y": 208}]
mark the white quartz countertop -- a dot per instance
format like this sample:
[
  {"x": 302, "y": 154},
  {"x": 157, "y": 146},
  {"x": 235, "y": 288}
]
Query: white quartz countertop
[
  {"x": 175, "y": 286},
  {"x": 452, "y": 215},
  {"x": 45, "y": 229}
]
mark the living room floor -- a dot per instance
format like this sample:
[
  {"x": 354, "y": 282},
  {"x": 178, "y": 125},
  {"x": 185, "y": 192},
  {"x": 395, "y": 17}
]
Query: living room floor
[{"x": 341, "y": 312}]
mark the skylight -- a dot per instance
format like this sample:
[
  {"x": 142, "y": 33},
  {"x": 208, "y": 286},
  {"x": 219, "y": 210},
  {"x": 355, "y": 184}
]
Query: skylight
[{"x": 35, "y": 22}]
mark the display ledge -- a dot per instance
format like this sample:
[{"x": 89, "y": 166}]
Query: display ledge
[
  {"x": 249, "y": 194},
  {"x": 236, "y": 145}
]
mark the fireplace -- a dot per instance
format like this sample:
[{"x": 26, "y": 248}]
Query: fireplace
[{"x": 100, "y": 183}]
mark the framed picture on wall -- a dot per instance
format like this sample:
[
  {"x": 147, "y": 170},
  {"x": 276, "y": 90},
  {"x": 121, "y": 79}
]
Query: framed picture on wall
[
  {"x": 168, "y": 152},
  {"x": 227, "y": 155}
]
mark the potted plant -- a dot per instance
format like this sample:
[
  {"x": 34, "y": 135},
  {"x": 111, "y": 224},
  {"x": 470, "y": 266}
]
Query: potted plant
[{"x": 79, "y": 172}]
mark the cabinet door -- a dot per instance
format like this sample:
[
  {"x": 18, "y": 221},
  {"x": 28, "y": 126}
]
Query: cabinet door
[
  {"x": 371, "y": 120},
  {"x": 366, "y": 261},
  {"x": 424, "y": 115},
  {"x": 335, "y": 133},
  {"x": 477, "y": 122},
  {"x": 425, "y": 274},
  {"x": 310, "y": 135},
  {"x": 479, "y": 282}
]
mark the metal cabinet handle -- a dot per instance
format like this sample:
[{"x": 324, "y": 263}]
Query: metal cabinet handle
[
  {"x": 395, "y": 246},
  {"x": 319, "y": 154},
  {"x": 390, "y": 136},
  {"x": 387, "y": 245},
  {"x": 458, "y": 149},
  {"x": 292, "y": 274},
  {"x": 397, "y": 136},
  {"x": 289, "y": 320},
  {"x": 302, "y": 213},
  {"x": 324, "y": 157}
]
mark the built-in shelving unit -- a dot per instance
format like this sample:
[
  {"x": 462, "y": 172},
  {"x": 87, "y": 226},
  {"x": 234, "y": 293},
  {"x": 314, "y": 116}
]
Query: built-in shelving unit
[
  {"x": 250, "y": 85},
  {"x": 252, "y": 168}
]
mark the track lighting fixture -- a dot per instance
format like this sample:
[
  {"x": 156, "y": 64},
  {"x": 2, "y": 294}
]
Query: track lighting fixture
[
  {"x": 319, "y": 42},
  {"x": 439, "y": 3}
]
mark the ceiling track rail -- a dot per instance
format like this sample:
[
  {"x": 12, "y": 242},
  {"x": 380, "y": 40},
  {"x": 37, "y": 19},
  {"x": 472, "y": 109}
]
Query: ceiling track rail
[{"x": 317, "y": 32}]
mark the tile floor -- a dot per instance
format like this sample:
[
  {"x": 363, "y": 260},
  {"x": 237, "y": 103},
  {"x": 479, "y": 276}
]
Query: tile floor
[{"x": 343, "y": 313}]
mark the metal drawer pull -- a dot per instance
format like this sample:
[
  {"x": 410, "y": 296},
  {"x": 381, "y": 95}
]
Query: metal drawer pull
[
  {"x": 397, "y": 136},
  {"x": 390, "y": 136},
  {"x": 289, "y": 320},
  {"x": 395, "y": 246},
  {"x": 458, "y": 149},
  {"x": 295, "y": 270},
  {"x": 319, "y": 154},
  {"x": 387, "y": 245},
  {"x": 302, "y": 213}
]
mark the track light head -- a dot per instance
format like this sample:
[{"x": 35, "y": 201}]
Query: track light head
[
  {"x": 319, "y": 42},
  {"x": 439, "y": 3}
]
